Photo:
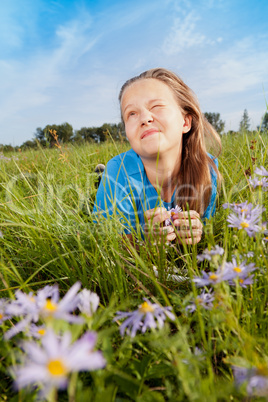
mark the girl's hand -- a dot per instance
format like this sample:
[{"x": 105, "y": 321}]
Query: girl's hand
[
  {"x": 154, "y": 224},
  {"x": 184, "y": 225}
]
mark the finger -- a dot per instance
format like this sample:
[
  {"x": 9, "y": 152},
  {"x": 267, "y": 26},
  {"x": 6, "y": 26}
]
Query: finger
[
  {"x": 189, "y": 234},
  {"x": 187, "y": 225},
  {"x": 154, "y": 212},
  {"x": 167, "y": 230},
  {"x": 158, "y": 219},
  {"x": 194, "y": 214},
  {"x": 185, "y": 214},
  {"x": 193, "y": 220},
  {"x": 157, "y": 228},
  {"x": 161, "y": 230},
  {"x": 189, "y": 240},
  {"x": 171, "y": 237}
]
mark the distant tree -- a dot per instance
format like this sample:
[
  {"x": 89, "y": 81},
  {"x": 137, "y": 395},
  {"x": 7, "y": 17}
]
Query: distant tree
[
  {"x": 8, "y": 148},
  {"x": 29, "y": 144},
  {"x": 64, "y": 132},
  {"x": 102, "y": 133},
  {"x": 85, "y": 133},
  {"x": 244, "y": 124},
  {"x": 232, "y": 132},
  {"x": 77, "y": 138},
  {"x": 215, "y": 120},
  {"x": 40, "y": 135},
  {"x": 264, "y": 122},
  {"x": 121, "y": 133}
]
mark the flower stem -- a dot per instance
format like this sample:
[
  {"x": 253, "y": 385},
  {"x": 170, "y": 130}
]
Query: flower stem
[
  {"x": 72, "y": 387},
  {"x": 53, "y": 395}
]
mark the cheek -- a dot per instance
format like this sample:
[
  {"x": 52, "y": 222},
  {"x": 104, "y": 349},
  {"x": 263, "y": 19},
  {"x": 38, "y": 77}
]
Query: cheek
[{"x": 129, "y": 128}]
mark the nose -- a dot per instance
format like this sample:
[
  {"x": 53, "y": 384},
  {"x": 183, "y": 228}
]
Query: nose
[{"x": 146, "y": 117}]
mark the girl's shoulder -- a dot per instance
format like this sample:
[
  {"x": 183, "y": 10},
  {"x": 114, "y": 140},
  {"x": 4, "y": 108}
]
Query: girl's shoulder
[
  {"x": 215, "y": 160},
  {"x": 128, "y": 163}
]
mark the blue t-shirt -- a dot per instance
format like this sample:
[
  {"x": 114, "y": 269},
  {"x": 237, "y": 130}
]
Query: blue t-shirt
[{"x": 126, "y": 192}]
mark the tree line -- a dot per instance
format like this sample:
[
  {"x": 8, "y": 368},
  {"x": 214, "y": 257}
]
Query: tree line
[{"x": 65, "y": 134}]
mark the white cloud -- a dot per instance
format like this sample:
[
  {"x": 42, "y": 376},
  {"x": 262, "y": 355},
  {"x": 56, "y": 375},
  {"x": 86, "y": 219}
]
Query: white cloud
[
  {"x": 184, "y": 35},
  {"x": 239, "y": 68},
  {"x": 28, "y": 85},
  {"x": 75, "y": 41}
]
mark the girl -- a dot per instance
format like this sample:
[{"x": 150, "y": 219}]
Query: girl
[{"x": 167, "y": 165}]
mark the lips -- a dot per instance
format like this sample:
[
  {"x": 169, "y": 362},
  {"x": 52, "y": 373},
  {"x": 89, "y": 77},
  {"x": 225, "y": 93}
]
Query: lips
[{"x": 149, "y": 132}]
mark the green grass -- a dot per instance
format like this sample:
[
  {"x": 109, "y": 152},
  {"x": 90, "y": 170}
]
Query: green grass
[{"x": 46, "y": 199}]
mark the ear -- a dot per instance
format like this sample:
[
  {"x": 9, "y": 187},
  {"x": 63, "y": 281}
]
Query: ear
[{"x": 187, "y": 123}]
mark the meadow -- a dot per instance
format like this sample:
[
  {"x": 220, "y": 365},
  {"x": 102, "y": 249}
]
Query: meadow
[{"x": 197, "y": 315}]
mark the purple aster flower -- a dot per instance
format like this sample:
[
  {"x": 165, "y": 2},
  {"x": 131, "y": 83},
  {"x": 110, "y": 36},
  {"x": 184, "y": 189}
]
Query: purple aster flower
[
  {"x": 211, "y": 278},
  {"x": 264, "y": 226},
  {"x": 244, "y": 281},
  {"x": 148, "y": 315},
  {"x": 265, "y": 239},
  {"x": 173, "y": 211},
  {"x": 239, "y": 270},
  {"x": 256, "y": 378},
  {"x": 53, "y": 307},
  {"x": 50, "y": 364},
  {"x": 24, "y": 305},
  {"x": 250, "y": 254},
  {"x": 204, "y": 299},
  {"x": 247, "y": 221},
  {"x": 37, "y": 331},
  {"x": 261, "y": 171},
  {"x": 45, "y": 305},
  {"x": 3, "y": 310},
  {"x": 259, "y": 183},
  {"x": 243, "y": 207},
  {"x": 208, "y": 254},
  {"x": 88, "y": 302}
]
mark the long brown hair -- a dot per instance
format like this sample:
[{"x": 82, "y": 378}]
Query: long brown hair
[{"x": 194, "y": 179}]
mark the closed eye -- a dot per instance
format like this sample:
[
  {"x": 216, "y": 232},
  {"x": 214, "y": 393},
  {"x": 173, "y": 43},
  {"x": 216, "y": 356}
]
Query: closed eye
[{"x": 156, "y": 106}]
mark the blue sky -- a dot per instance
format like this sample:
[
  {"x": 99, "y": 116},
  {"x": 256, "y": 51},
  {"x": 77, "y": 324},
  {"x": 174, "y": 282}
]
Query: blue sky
[{"x": 65, "y": 60}]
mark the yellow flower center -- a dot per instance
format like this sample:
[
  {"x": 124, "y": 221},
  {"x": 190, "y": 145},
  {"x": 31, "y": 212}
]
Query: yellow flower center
[
  {"x": 213, "y": 277},
  {"x": 244, "y": 225},
  {"x": 41, "y": 331},
  {"x": 262, "y": 369},
  {"x": 243, "y": 210},
  {"x": 237, "y": 269},
  {"x": 266, "y": 238},
  {"x": 31, "y": 299},
  {"x": 50, "y": 306},
  {"x": 1, "y": 316},
  {"x": 56, "y": 368},
  {"x": 146, "y": 308},
  {"x": 241, "y": 280}
]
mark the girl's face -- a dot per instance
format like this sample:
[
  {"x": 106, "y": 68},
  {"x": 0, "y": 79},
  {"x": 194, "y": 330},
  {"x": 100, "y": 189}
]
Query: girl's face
[{"x": 153, "y": 120}]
